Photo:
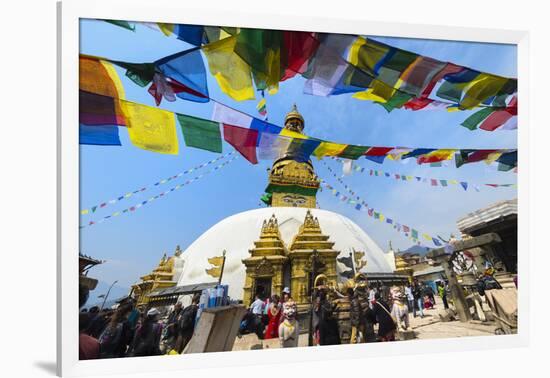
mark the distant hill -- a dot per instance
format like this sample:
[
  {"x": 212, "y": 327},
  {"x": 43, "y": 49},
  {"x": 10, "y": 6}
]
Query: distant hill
[
  {"x": 416, "y": 249},
  {"x": 117, "y": 292}
]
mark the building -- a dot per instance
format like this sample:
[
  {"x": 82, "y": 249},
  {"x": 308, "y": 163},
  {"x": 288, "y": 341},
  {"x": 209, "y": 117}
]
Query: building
[
  {"x": 502, "y": 219},
  {"x": 164, "y": 276},
  {"x": 285, "y": 244},
  {"x": 86, "y": 284}
]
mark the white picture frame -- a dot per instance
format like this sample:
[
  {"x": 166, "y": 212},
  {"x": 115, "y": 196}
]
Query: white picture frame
[{"x": 173, "y": 11}]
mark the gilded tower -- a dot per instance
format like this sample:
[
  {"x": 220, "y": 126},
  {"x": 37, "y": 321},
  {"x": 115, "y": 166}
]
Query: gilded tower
[
  {"x": 265, "y": 266},
  {"x": 272, "y": 264},
  {"x": 292, "y": 180}
]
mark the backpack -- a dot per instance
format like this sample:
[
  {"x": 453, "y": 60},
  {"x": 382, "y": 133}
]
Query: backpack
[
  {"x": 187, "y": 318},
  {"x": 110, "y": 338},
  {"x": 148, "y": 346}
]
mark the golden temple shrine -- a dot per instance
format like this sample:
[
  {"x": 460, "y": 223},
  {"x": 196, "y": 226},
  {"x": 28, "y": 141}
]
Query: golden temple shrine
[
  {"x": 165, "y": 275},
  {"x": 292, "y": 183}
]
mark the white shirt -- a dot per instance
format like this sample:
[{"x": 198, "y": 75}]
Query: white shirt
[
  {"x": 409, "y": 293},
  {"x": 257, "y": 307}
]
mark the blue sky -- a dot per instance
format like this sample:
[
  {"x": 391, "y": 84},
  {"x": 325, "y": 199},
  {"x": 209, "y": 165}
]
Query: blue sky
[{"x": 133, "y": 244}]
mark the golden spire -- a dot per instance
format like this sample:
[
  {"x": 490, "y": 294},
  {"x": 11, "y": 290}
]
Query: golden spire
[
  {"x": 294, "y": 121},
  {"x": 310, "y": 225},
  {"x": 270, "y": 228}
]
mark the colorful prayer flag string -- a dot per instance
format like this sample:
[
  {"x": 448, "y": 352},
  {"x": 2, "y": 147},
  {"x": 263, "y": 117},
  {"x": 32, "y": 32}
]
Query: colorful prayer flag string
[
  {"x": 431, "y": 181},
  {"x": 250, "y": 136},
  {"x": 102, "y": 205},
  {"x": 137, "y": 206},
  {"x": 360, "y": 205}
]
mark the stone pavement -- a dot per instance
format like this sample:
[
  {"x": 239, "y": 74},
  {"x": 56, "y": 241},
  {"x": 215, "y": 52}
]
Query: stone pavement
[{"x": 428, "y": 327}]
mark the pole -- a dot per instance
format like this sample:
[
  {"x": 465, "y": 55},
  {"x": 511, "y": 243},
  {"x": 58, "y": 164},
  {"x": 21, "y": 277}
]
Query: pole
[
  {"x": 223, "y": 266},
  {"x": 107, "y": 295},
  {"x": 312, "y": 278}
]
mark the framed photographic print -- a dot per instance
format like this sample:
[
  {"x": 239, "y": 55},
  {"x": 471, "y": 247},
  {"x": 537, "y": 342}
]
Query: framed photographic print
[{"x": 284, "y": 188}]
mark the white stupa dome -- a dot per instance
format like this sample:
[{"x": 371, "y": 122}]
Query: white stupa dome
[{"x": 237, "y": 234}]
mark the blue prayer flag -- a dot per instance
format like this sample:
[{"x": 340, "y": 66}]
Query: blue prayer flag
[{"x": 105, "y": 135}]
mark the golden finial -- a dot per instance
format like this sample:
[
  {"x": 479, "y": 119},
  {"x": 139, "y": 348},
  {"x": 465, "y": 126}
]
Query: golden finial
[{"x": 294, "y": 114}]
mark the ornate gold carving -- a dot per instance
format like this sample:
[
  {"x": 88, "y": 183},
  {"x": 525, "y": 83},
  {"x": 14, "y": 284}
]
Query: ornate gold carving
[{"x": 264, "y": 269}]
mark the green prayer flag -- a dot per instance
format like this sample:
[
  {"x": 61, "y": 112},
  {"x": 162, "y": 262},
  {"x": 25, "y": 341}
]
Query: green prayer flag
[
  {"x": 396, "y": 101},
  {"x": 122, "y": 24},
  {"x": 475, "y": 119},
  {"x": 200, "y": 133},
  {"x": 353, "y": 152},
  {"x": 414, "y": 234}
]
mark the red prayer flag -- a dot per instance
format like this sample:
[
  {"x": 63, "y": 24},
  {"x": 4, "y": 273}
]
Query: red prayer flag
[
  {"x": 378, "y": 151},
  {"x": 299, "y": 48},
  {"x": 244, "y": 140},
  {"x": 500, "y": 117},
  {"x": 417, "y": 103},
  {"x": 479, "y": 155},
  {"x": 450, "y": 68},
  {"x": 434, "y": 182}
]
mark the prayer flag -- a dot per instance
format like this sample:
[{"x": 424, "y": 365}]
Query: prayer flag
[
  {"x": 200, "y": 133},
  {"x": 272, "y": 146},
  {"x": 193, "y": 34},
  {"x": 414, "y": 234},
  {"x": 464, "y": 185},
  {"x": 214, "y": 272},
  {"x": 261, "y": 107},
  {"x": 188, "y": 71},
  {"x": 96, "y": 110},
  {"x": 99, "y": 77},
  {"x": 243, "y": 140},
  {"x": 225, "y": 114},
  {"x": 475, "y": 119},
  {"x": 436, "y": 242},
  {"x": 301, "y": 149},
  {"x": 261, "y": 50},
  {"x": 498, "y": 118},
  {"x": 327, "y": 67},
  {"x": 396, "y": 101},
  {"x": 420, "y": 75},
  {"x": 443, "y": 182},
  {"x": 482, "y": 88},
  {"x": 436, "y": 156},
  {"x": 166, "y": 29},
  {"x": 455, "y": 83},
  {"x": 353, "y": 152},
  {"x": 299, "y": 47},
  {"x": 150, "y": 128},
  {"x": 99, "y": 135},
  {"x": 122, "y": 24},
  {"x": 229, "y": 69},
  {"x": 328, "y": 149}
]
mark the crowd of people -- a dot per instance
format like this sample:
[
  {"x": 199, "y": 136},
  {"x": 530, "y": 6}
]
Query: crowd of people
[
  {"x": 131, "y": 331},
  {"x": 376, "y": 313},
  {"x": 369, "y": 306}
]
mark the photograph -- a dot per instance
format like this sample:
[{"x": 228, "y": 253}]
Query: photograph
[{"x": 248, "y": 189}]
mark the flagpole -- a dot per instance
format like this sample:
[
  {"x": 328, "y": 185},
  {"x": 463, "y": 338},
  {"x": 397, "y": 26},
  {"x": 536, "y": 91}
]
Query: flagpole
[{"x": 223, "y": 266}]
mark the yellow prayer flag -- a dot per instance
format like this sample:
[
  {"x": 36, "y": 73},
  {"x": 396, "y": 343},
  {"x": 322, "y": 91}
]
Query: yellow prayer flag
[
  {"x": 216, "y": 261},
  {"x": 492, "y": 157},
  {"x": 451, "y": 109},
  {"x": 453, "y": 182},
  {"x": 232, "y": 73},
  {"x": 166, "y": 29},
  {"x": 427, "y": 237},
  {"x": 410, "y": 178},
  {"x": 382, "y": 217},
  {"x": 368, "y": 95},
  {"x": 328, "y": 149},
  {"x": 99, "y": 77},
  {"x": 293, "y": 134},
  {"x": 84, "y": 212},
  {"x": 480, "y": 89},
  {"x": 150, "y": 128},
  {"x": 214, "y": 272}
]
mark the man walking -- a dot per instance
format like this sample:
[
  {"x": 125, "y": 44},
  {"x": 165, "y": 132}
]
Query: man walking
[{"x": 417, "y": 294}]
